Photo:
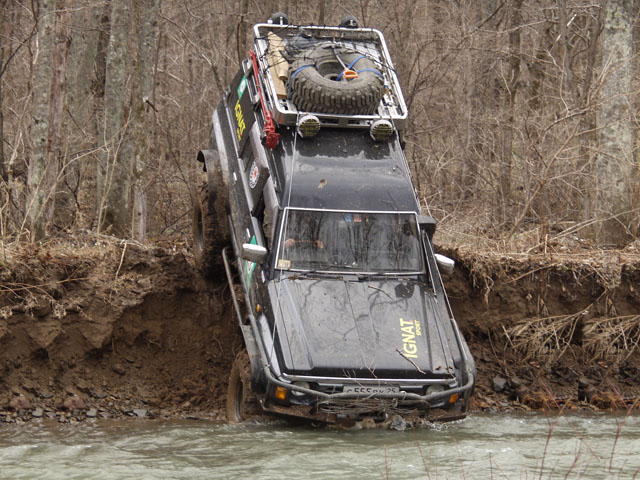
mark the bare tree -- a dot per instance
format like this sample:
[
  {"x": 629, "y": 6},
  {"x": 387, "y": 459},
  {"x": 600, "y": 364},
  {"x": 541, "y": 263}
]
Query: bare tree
[
  {"x": 3, "y": 48},
  {"x": 242, "y": 30},
  {"x": 509, "y": 85},
  {"x": 114, "y": 166},
  {"x": 62, "y": 41},
  {"x": 38, "y": 190},
  {"x": 615, "y": 162},
  {"x": 77, "y": 191},
  {"x": 82, "y": 57},
  {"x": 146, "y": 16}
]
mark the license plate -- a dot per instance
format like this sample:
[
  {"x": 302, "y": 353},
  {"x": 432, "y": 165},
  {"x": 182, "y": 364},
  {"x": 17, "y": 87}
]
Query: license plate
[{"x": 370, "y": 389}]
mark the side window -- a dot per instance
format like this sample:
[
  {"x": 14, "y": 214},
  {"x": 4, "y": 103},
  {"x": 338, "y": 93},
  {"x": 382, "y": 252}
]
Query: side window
[{"x": 271, "y": 206}]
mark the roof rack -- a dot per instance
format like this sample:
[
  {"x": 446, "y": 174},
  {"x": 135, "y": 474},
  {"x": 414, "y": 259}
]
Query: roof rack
[{"x": 270, "y": 39}]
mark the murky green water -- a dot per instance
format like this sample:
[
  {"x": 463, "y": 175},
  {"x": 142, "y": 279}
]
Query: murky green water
[{"x": 479, "y": 447}]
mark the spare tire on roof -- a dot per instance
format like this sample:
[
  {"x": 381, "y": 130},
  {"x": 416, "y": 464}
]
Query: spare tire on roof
[{"x": 316, "y": 83}]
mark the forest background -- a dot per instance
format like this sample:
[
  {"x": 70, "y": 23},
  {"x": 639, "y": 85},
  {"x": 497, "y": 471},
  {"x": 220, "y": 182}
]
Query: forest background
[{"x": 522, "y": 114}]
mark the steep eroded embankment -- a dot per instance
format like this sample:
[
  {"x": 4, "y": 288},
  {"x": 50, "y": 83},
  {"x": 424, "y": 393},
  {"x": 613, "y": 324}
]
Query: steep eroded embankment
[{"x": 113, "y": 328}]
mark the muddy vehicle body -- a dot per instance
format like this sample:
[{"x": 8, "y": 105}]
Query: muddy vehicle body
[{"x": 309, "y": 210}]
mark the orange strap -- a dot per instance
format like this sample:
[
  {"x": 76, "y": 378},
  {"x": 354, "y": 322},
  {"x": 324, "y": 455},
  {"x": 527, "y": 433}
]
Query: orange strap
[{"x": 349, "y": 74}]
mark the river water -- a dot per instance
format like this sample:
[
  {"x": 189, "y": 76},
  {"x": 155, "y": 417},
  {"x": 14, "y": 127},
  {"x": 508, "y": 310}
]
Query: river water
[{"x": 482, "y": 447}]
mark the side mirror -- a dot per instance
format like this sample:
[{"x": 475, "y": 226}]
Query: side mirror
[
  {"x": 253, "y": 253},
  {"x": 445, "y": 264},
  {"x": 427, "y": 224}
]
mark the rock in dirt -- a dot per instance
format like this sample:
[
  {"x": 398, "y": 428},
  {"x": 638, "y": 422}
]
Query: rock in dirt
[
  {"x": 515, "y": 382},
  {"x": 398, "y": 423},
  {"x": 74, "y": 402},
  {"x": 520, "y": 393},
  {"x": 140, "y": 412},
  {"x": 20, "y": 402},
  {"x": 37, "y": 413},
  {"x": 585, "y": 390},
  {"x": 499, "y": 383},
  {"x": 92, "y": 413}
]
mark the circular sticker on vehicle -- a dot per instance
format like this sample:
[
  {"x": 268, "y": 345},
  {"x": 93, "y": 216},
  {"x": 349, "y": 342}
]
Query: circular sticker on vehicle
[{"x": 254, "y": 174}]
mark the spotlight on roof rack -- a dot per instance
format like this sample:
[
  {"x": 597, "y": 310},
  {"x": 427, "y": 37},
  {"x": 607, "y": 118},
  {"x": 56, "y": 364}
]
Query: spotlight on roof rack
[
  {"x": 308, "y": 126},
  {"x": 279, "y": 19},
  {"x": 349, "y": 22},
  {"x": 381, "y": 130}
]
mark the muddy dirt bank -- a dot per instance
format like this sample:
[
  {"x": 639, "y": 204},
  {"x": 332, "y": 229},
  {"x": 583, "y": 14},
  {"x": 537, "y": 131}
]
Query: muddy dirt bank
[
  {"x": 95, "y": 327},
  {"x": 553, "y": 331}
]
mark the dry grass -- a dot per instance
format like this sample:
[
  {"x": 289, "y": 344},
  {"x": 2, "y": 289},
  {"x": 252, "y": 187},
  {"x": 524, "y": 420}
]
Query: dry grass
[
  {"x": 612, "y": 338},
  {"x": 466, "y": 231},
  {"x": 543, "y": 337}
]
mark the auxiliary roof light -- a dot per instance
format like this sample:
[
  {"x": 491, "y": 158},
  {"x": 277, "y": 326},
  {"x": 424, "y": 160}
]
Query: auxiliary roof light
[
  {"x": 381, "y": 130},
  {"x": 308, "y": 126}
]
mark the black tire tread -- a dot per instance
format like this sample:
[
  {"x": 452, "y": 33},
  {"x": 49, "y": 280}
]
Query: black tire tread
[
  {"x": 212, "y": 235},
  {"x": 240, "y": 377},
  {"x": 314, "y": 93}
]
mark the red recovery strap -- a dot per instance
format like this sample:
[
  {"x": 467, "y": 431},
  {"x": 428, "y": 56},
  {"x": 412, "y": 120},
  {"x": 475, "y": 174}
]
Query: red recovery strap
[{"x": 269, "y": 129}]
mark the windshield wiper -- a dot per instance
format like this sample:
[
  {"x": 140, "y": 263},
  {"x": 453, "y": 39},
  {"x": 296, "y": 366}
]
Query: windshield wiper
[
  {"x": 304, "y": 274},
  {"x": 381, "y": 275},
  {"x": 363, "y": 277}
]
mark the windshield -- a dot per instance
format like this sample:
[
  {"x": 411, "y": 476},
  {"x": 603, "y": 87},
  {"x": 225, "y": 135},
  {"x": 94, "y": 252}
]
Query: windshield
[{"x": 349, "y": 241}]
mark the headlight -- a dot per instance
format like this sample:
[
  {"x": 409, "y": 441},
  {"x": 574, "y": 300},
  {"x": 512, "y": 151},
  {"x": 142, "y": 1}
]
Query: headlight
[
  {"x": 302, "y": 385},
  {"x": 435, "y": 389}
]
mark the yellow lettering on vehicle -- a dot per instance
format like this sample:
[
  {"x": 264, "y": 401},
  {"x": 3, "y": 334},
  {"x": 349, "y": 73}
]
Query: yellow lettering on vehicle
[
  {"x": 239, "y": 120},
  {"x": 409, "y": 347},
  {"x": 418, "y": 328},
  {"x": 407, "y": 334}
]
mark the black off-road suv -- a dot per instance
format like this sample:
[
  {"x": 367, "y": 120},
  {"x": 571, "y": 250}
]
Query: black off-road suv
[{"x": 342, "y": 307}]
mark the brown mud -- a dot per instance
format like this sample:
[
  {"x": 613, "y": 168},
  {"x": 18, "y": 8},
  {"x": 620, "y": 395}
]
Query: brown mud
[{"x": 96, "y": 327}]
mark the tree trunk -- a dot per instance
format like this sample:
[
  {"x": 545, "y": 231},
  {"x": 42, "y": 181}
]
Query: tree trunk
[
  {"x": 3, "y": 170},
  {"x": 4, "y": 27},
  {"x": 80, "y": 73},
  {"x": 114, "y": 168},
  {"x": 478, "y": 110},
  {"x": 512, "y": 81},
  {"x": 241, "y": 32},
  {"x": 38, "y": 190},
  {"x": 5, "y": 56},
  {"x": 588, "y": 125},
  {"x": 322, "y": 4},
  {"x": 485, "y": 106},
  {"x": 76, "y": 196},
  {"x": 146, "y": 25},
  {"x": 614, "y": 166},
  {"x": 62, "y": 41}
]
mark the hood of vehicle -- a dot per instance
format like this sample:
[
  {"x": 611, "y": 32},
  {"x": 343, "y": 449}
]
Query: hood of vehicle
[{"x": 387, "y": 328}]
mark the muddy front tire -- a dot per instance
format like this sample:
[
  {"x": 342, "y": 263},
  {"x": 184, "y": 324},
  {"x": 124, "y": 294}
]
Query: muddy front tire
[
  {"x": 210, "y": 229},
  {"x": 241, "y": 401}
]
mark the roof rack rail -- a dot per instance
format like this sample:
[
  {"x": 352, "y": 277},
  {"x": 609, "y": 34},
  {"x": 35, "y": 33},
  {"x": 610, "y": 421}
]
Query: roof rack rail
[{"x": 271, "y": 39}]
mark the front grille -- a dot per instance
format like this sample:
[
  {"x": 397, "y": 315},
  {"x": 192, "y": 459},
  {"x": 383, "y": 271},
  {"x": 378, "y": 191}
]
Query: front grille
[{"x": 373, "y": 407}]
